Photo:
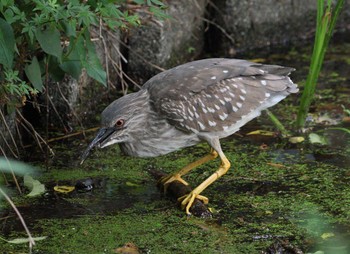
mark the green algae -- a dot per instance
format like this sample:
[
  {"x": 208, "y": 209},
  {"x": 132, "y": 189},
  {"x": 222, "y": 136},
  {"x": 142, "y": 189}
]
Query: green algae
[
  {"x": 255, "y": 204},
  {"x": 283, "y": 193}
]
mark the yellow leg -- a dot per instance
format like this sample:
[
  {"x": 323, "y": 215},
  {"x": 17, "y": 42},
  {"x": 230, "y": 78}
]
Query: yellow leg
[
  {"x": 188, "y": 199},
  {"x": 177, "y": 176}
]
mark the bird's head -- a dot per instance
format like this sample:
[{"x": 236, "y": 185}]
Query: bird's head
[{"x": 119, "y": 121}]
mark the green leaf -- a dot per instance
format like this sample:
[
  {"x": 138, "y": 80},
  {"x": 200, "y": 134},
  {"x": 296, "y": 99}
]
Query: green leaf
[
  {"x": 70, "y": 27},
  {"x": 72, "y": 67},
  {"x": 72, "y": 63},
  {"x": 49, "y": 40},
  {"x": 315, "y": 138},
  {"x": 56, "y": 73},
  {"x": 7, "y": 165},
  {"x": 158, "y": 2},
  {"x": 36, "y": 188},
  {"x": 7, "y": 44},
  {"x": 95, "y": 71},
  {"x": 23, "y": 240},
  {"x": 92, "y": 64},
  {"x": 34, "y": 74}
]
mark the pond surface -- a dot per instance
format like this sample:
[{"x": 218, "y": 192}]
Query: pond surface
[{"x": 279, "y": 197}]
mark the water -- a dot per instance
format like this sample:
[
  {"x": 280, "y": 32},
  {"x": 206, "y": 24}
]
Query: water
[{"x": 278, "y": 197}]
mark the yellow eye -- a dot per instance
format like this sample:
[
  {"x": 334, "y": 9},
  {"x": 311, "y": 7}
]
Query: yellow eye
[{"x": 119, "y": 123}]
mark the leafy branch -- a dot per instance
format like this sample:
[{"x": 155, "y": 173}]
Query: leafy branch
[{"x": 34, "y": 33}]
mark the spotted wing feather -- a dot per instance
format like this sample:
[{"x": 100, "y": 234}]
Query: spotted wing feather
[{"x": 213, "y": 94}]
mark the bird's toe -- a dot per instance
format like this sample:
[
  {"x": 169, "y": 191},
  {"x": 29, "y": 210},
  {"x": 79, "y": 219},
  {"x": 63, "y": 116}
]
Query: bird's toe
[
  {"x": 166, "y": 180},
  {"x": 188, "y": 199}
]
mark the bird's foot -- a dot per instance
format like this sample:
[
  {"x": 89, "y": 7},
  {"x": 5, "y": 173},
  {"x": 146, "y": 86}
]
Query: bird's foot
[
  {"x": 166, "y": 180},
  {"x": 188, "y": 199}
]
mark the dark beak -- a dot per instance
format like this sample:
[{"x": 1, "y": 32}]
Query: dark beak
[{"x": 102, "y": 135}]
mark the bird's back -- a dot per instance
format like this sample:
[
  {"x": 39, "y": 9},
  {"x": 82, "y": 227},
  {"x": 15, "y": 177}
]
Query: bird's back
[{"x": 218, "y": 95}]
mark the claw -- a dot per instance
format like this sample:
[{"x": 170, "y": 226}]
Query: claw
[
  {"x": 188, "y": 199},
  {"x": 166, "y": 180}
]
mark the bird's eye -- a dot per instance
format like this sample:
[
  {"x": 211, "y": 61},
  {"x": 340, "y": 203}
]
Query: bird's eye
[{"x": 119, "y": 123}]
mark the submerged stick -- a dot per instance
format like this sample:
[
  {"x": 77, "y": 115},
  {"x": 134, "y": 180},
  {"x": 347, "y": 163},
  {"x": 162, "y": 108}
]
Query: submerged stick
[{"x": 176, "y": 189}]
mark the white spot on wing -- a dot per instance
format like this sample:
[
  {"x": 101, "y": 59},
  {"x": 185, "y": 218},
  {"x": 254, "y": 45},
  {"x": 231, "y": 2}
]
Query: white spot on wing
[
  {"x": 201, "y": 125},
  {"x": 242, "y": 97},
  {"x": 225, "y": 71},
  {"x": 239, "y": 104},
  {"x": 211, "y": 110},
  {"x": 216, "y": 106},
  {"x": 263, "y": 82},
  {"x": 223, "y": 116},
  {"x": 267, "y": 95},
  {"x": 243, "y": 91},
  {"x": 190, "y": 112},
  {"x": 213, "y": 77},
  {"x": 211, "y": 123}
]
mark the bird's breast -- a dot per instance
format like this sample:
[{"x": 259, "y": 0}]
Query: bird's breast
[{"x": 163, "y": 143}]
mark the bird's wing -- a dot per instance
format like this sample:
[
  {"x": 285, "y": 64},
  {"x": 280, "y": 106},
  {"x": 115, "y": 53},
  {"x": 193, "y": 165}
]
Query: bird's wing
[{"x": 213, "y": 94}]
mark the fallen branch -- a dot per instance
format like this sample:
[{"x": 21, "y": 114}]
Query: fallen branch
[{"x": 177, "y": 189}]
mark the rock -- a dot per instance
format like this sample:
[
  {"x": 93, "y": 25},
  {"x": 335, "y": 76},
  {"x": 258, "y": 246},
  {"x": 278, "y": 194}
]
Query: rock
[
  {"x": 254, "y": 24},
  {"x": 167, "y": 43}
]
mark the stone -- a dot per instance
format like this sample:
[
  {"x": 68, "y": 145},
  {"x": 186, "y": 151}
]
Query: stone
[{"x": 168, "y": 42}]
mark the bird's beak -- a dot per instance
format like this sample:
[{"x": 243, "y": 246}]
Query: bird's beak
[{"x": 102, "y": 135}]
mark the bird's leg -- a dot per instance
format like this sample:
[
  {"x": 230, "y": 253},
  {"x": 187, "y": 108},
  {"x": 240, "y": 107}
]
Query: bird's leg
[
  {"x": 177, "y": 176},
  {"x": 188, "y": 199}
]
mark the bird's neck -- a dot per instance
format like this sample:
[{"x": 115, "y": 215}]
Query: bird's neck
[{"x": 156, "y": 136}]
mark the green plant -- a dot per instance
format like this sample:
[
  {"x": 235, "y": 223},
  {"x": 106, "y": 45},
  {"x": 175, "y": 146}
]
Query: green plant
[
  {"x": 326, "y": 20},
  {"x": 43, "y": 38},
  {"x": 12, "y": 166}
]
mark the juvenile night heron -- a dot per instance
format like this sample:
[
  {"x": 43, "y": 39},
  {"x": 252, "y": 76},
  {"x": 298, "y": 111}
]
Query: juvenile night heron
[{"x": 204, "y": 100}]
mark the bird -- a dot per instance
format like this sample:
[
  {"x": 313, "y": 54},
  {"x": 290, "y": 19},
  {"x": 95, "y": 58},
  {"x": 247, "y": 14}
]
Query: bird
[{"x": 200, "y": 101}]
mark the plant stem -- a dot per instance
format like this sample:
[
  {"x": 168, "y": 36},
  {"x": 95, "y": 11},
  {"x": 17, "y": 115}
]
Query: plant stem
[
  {"x": 30, "y": 238},
  {"x": 277, "y": 123},
  {"x": 326, "y": 20}
]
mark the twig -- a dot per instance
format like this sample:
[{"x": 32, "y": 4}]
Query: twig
[
  {"x": 11, "y": 136},
  {"x": 176, "y": 189},
  {"x": 34, "y": 133},
  {"x": 140, "y": 56},
  {"x": 105, "y": 49},
  {"x": 47, "y": 113},
  {"x": 71, "y": 109},
  {"x": 221, "y": 29},
  {"x": 30, "y": 238},
  {"x": 12, "y": 172},
  {"x": 67, "y": 136},
  {"x": 58, "y": 115}
]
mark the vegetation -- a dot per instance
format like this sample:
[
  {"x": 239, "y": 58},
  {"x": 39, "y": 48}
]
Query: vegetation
[
  {"x": 45, "y": 39},
  {"x": 48, "y": 38},
  {"x": 41, "y": 39},
  {"x": 326, "y": 20}
]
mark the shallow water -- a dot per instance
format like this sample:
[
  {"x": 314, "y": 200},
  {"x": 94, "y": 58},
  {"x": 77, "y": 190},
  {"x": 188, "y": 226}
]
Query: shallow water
[{"x": 278, "y": 197}]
